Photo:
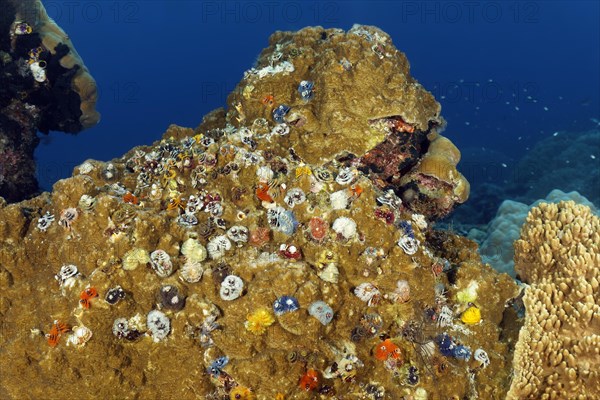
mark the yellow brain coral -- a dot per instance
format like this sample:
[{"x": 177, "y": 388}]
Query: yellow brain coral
[
  {"x": 259, "y": 321},
  {"x": 558, "y": 352}
]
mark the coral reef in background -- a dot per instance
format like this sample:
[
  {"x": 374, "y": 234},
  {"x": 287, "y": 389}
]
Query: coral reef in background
[
  {"x": 488, "y": 171},
  {"x": 269, "y": 253},
  {"x": 558, "y": 352},
  {"x": 497, "y": 238},
  {"x": 44, "y": 86},
  {"x": 484, "y": 201},
  {"x": 567, "y": 161}
]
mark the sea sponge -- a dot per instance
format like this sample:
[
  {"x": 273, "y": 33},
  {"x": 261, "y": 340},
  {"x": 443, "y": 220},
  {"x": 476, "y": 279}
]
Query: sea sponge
[{"x": 558, "y": 352}]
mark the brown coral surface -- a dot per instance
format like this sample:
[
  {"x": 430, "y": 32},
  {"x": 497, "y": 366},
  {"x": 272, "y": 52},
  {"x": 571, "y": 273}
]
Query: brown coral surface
[
  {"x": 558, "y": 353},
  {"x": 291, "y": 208}
]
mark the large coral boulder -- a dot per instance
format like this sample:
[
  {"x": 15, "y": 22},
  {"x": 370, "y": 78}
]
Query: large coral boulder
[
  {"x": 365, "y": 111},
  {"x": 269, "y": 253}
]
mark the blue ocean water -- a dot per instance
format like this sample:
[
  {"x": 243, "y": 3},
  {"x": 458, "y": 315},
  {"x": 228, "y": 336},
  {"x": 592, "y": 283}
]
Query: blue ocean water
[{"x": 507, "y": 73}]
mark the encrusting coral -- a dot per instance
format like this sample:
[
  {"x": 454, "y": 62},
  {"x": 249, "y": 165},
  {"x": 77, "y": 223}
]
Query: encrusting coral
[{"x": 558, "y": 352}]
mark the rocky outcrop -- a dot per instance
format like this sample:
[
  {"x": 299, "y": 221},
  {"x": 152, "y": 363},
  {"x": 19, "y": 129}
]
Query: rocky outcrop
[{"x": 44, "y": 86}]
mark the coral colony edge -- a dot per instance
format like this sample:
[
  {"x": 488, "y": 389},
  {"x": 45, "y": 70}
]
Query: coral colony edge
[
  {"x": 44, "y": 86},
  {"x": 286, "y": 249}
]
